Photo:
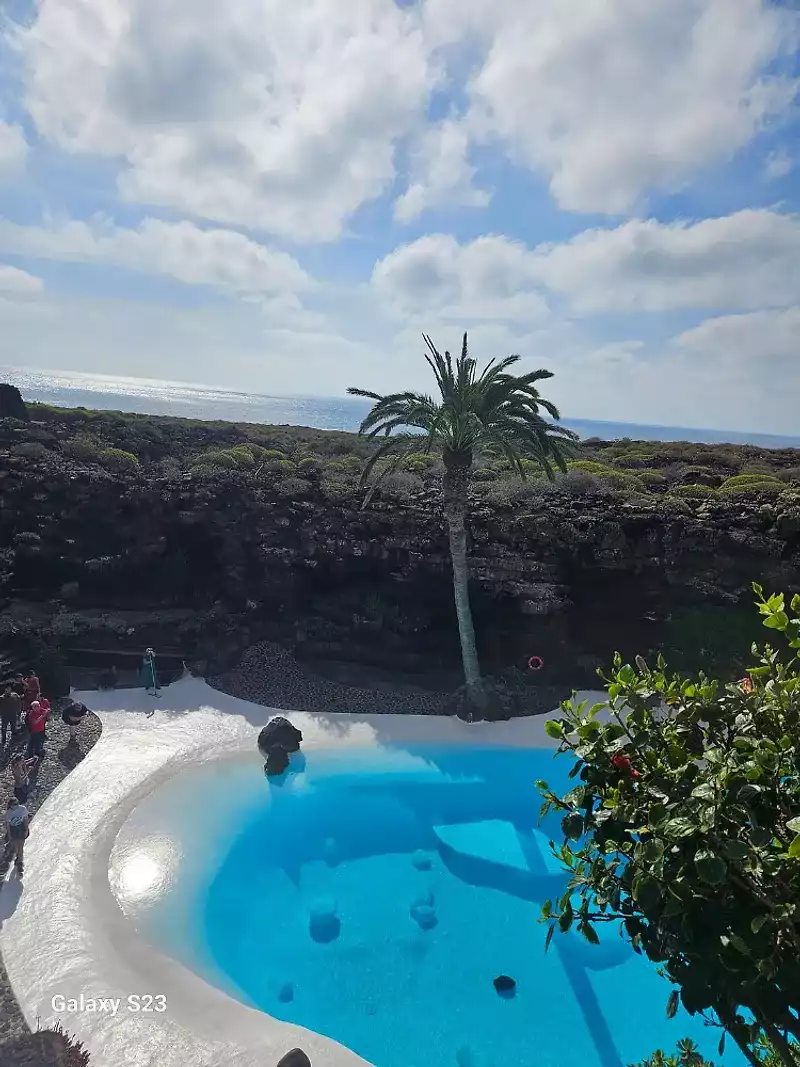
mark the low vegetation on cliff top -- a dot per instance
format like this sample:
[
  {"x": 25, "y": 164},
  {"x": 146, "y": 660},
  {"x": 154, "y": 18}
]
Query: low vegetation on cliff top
[{"x": 302, "y": 462}]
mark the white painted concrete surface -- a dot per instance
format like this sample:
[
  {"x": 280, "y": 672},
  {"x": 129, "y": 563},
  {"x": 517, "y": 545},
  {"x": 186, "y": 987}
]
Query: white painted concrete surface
[{"x": 63, "y": 932}]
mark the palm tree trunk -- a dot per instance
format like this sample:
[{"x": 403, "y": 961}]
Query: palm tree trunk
[{"x": 455, "y": 513}]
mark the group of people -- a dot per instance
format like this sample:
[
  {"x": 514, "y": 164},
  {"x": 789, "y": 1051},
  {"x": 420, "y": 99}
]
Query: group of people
[{"x": 23, "y": 707}]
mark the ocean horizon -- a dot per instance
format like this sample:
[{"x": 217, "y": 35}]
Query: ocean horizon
[{"x": 145, "y": 396}]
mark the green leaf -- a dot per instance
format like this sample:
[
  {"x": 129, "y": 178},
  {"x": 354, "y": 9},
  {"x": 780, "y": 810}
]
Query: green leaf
[
  {"x": 549, "y": 938},
  {"x": 653, "y": 850},
  {"x": 547, "y": 909},
  {"x": 565, "y": 920},
  {"x": 589, "y": 933},
  {"x": 572, "y": 825},
  {"x": 794, "y": 848},
  {"x": 758, "y": 922},
  {"x": 553, "y": 729},
  {"x": 672, "y": 1004},
  {"x": 794, "y": 824},
  {"x": 736, "y": 850},
  {"x": 704, "y": 791},
  {"x": 646, "y": 891},
  {"x": 680, "y": 827},
  {"x": 710, "y": 867}
]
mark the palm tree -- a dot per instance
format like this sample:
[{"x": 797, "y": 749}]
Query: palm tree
[{"x": 487, "y": 413}]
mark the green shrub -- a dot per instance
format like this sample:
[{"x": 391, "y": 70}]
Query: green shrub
[
  {"x": 83, "y": 447},
  {"x": 400, "y": 485},
  {"x": 293, "y": 488},
  {"x": 756, "y": 491},
  {"x": 243, "y": 455},
  {"x": 623, "y": 480},
  {"x": 218, "y": 458},
  {"x": 485, "y": 474},
  {"x": 577, "y": 482},
  {"x": 682, "y": 828},
  {"x": 737, "y": 481},
  {"x": 693, "y": 492},
  {"x": 511, "y": 491},
  {"x": 418, "y": 462},
  {"x": 116, "y": 459},
  {"x": 635, "y": 458},
  {"x": 686, "y": 1054},
  {"x": 591, "y": 466},
  {"x": 347, "y": 465},
  {"x": 32, "y": 450},
  {"x": 652, "y": 480},
  {"x": 338, "y": 490}
]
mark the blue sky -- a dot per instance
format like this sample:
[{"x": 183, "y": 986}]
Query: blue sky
[{"x": 282, "y": 197}]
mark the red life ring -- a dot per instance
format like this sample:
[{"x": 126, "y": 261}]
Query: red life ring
[{"x": 535, "y": 663}]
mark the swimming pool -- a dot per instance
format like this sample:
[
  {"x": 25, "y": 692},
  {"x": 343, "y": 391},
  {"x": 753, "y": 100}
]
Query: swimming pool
[{"x": 373, "y": 894}]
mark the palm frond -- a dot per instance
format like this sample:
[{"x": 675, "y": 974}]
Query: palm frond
[{"x": 493, "y": 410}]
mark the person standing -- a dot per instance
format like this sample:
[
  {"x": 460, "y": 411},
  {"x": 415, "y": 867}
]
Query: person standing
[
  {"x": 10, "y": 707},
  {"x": 21, "y": 769},
  {"x": 36, "y": 720},
  {"x": 32, "y": 690},
  {"x": 17, "y": 830},
  {"x": 149, "y": 673}
]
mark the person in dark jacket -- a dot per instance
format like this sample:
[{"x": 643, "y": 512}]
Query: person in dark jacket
[{"x": 72, "y": 716}]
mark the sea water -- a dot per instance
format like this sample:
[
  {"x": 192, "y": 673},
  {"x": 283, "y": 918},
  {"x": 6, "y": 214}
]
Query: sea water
[{"x": 149, "y": 397}]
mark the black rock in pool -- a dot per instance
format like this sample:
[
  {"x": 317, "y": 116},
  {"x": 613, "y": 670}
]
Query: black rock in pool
[
  {"x": 279, "y": 733},
  {"x": 295, "y": 1058}
]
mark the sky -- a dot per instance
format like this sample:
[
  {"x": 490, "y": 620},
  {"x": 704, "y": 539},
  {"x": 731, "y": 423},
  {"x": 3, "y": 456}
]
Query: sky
[{"x": 281, "y": 197}]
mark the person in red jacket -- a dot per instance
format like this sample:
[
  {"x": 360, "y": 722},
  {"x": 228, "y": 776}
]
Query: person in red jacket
[
  {"x": 32, "y": 689},
  {"x": 36, "y": 720}
]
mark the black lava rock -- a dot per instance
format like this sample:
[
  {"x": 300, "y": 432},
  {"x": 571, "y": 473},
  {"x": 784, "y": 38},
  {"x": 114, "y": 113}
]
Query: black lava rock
[
  {"x": 277, "y": 761},
  {"x": 279, "y": 733},
  {"x": 12, "y": 406},
  {"x": 295, "y": 1058},
  {"x": 504, "y": 984}
]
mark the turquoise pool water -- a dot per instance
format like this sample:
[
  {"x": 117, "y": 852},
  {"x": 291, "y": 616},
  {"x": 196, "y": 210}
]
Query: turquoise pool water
[{"x": 374, "y": 895}]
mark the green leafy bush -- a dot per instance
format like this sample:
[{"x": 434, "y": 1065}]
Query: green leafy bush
[
  {"x": 654, "y": 481},
  {"x": 686, "y": 1054},
  {"x": 116, "y": 459},
  {"x": 739, "y": 481},
  {"x": 683, "y": 828},
  {"x": 693, "y": 492},
  {"x": 590, "y": 466},
  {"x": 32, "y": 450},
  {"x": 293, "y": 488},
  {"x": 243, "y": 456},
  {"x": 756, "y": 492},
  {"x": 83, "y": 447},
  {"x": 217, "y": 458},
  {"x": 634, "y": 458}
]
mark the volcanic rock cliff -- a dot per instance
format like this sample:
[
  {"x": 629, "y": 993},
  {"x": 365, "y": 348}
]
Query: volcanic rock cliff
[{"x": 204, "y": 566}]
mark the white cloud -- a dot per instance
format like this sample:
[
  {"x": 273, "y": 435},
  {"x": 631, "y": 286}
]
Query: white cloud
[
  {"x": 608, "y": 99},
  {"x": 489, "y": 278},
  {"x": 276, "y": 116},
  {"x": 13, "y": 151},
  {"x": 746, "y": 260},
  {"x": 441, "y": 174},
  {"x": 18, "y": 282},
  {"x": 756, "y": 340},
  {"x": 778, "y": 165},
  {"x": 180, "y": 250}
]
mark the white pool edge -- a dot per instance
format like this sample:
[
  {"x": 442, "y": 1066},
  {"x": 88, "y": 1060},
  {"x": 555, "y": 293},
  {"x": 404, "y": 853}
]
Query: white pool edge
[{"x": 64, "y": 932}]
